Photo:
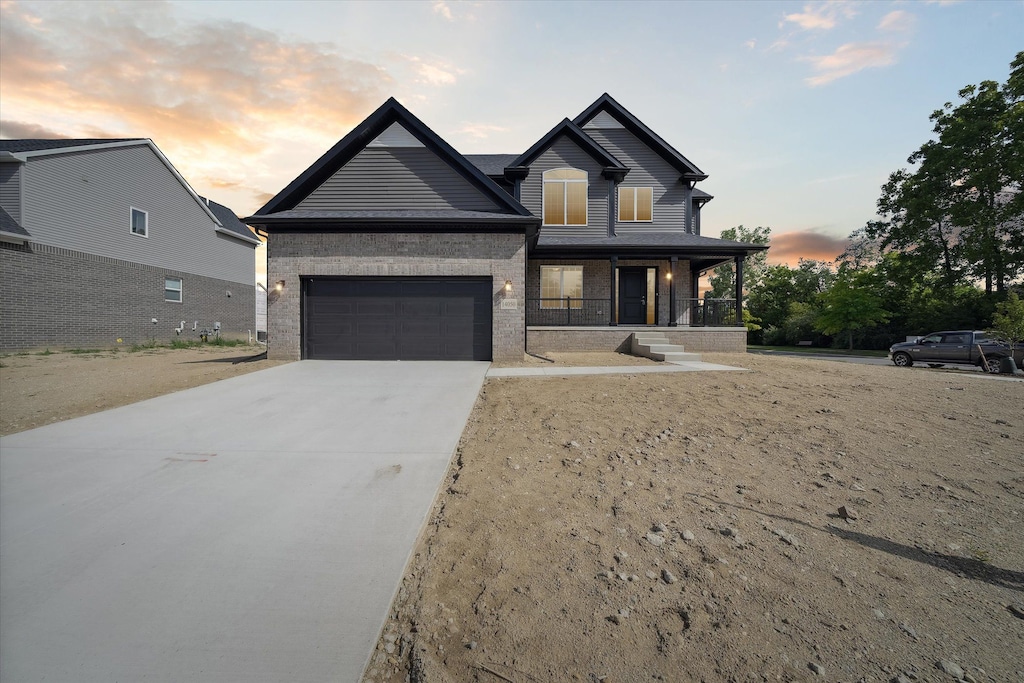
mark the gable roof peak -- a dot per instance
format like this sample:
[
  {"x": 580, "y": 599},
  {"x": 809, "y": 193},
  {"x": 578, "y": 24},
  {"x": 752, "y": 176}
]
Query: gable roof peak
[
  {"x": 367, "y": 131},
  {"x": 577, "y": 135},
  {"x": 607, "y": 103}
]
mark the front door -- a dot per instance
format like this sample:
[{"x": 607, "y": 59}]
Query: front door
[{"x": 632, "y": 296}]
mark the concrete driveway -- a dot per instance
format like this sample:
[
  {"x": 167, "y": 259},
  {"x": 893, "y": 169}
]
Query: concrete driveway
[{"x": 254, "y": 529}]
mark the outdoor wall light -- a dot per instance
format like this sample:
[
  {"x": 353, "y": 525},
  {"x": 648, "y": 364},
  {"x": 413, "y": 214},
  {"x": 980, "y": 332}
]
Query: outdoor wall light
[
  {"x": 279, "y": 286},
  {"x": 508, "y": 285},
  {"x": 668, "y": 276}
]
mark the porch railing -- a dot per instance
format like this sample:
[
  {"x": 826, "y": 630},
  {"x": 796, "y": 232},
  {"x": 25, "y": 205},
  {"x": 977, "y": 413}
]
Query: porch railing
[
  {"x": 706, "y": 312},
  {"x": 568, "y": 311},
  {"x": 573, "y": 312}
]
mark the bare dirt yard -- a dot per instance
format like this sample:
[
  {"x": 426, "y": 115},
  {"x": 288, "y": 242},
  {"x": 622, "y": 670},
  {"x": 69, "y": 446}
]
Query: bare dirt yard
[
  {"x": 39, "y": 388},
  {"x": 806, "y": 520}
]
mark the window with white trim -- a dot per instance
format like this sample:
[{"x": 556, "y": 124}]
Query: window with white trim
[
  {"x": 561, "y": 286},
  {"x": 172, "y": 289},
  {"x": 636, "y": 204},
  {"x": 565, "y": 197},
  {"x": 139, "y": 222}
]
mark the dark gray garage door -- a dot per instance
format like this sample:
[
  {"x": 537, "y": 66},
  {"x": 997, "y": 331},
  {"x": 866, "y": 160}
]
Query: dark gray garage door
[{"x": 397, "y": 319}]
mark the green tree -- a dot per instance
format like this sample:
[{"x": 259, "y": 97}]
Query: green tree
[
  {"x": 961, "y": 211},
  {"x": 850, "y": 305},
  {"x": 1008, "y": 320},
  {"x": 723, "y": 279}
]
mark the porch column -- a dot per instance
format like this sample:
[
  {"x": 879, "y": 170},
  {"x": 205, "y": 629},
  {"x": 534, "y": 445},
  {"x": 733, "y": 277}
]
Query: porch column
[
  {"x": 672, "y": 319},
  {"x": 739, "y": 290},
  {"x": 691, "y": 305},
  {"x": 614, "y": 261}
]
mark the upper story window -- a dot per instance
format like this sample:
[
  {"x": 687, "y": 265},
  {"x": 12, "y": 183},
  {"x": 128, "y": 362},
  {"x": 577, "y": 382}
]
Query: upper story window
[
  {"x": 565, "y": 197},
  {"x": 636, "y": 204},
  {"x": 140, "y": 222}
]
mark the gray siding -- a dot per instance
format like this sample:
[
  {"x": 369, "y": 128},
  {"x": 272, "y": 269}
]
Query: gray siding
[
  {"x": 647, "y": 169},
  {"x": 381, "y": 178},
  {"x": 565, "y": 154},
  {"x": 81, "y": 201},
  {"x": 10, "y": 190}
]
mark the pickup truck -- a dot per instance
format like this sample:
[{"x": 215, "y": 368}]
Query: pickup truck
[{"x": 956, "y": 347}]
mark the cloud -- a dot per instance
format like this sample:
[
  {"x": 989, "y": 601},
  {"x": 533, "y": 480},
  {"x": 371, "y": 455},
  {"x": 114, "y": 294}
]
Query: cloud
[
  {"x": 821, "y": 16},
  {"x": 750, "y": 44},
  {"x": 435, "y": 73},
  {"x": 849, "y": 59},
  {"x": 21, "y": 130},
  {"x": 480, "y": 131},
  {"x": 215, "y": 95},
  {"x": 897, "y": 20},
  {"x": 790, "y": 247},
  {"x": 441, "y": 7}
]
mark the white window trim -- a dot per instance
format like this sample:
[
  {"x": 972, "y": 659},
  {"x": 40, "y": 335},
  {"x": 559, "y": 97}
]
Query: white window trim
[
  {"x": 131, "y": 225},
  {"x": 565, "y": 194},
  {"x": 180, "y": 290},
  {"x": 618, "y": 214}
]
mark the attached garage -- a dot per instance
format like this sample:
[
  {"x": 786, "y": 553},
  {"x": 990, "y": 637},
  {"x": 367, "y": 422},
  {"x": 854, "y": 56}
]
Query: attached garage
[{"x": 397, "y": 318}]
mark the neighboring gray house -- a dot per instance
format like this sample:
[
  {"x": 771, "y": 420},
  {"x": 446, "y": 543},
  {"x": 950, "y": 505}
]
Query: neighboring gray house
[
  {"x": 100, "y": 238},
  {"x": 395, "y": 246}
]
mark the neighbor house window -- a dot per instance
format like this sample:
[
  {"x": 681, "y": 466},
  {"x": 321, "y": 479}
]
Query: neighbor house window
[
  {"x": 565, "y": 197},
  {"x": 561, "y": 286},
  {"x": 636, "y": 204},
  {"x": 140, "y": 222},
  {"x": 172, "y": 289}
]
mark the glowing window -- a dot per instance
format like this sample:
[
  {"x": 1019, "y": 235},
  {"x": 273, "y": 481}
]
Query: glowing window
[{"x": 565, "y": 197}]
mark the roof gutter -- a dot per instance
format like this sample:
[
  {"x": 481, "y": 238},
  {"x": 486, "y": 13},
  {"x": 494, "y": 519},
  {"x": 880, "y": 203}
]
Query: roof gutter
[{"x": 12, "y": 237}]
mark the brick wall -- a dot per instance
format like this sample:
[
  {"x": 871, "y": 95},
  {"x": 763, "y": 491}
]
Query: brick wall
[
  {"x": 291, "y": 256},
  {"x": 697, "y": 339},
  {"x": 52, "y": 297}
]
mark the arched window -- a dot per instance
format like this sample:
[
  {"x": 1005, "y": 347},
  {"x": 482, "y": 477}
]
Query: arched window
[{"x": 565, "y": 197}]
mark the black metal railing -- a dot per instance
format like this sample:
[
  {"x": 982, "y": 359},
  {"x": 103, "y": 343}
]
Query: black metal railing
[
  {"x": 705, "y": 312},
  {"x": 568, "y": 311}
]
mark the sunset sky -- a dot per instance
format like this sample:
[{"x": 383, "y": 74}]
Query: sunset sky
[{"x": 797, "y": 111}]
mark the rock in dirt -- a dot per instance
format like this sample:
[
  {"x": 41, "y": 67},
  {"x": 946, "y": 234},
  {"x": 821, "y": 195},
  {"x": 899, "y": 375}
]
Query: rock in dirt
[
  {"x": 688, "y": 535},
  {"x": 668, "y": 576},
  {"x": 787, "y": 538},
  {"x": 655, "y": 540},
  {"x": 847, "y": 513},
  {"x": 816, "y": 668},
  {"x": 951, "y": 668}
]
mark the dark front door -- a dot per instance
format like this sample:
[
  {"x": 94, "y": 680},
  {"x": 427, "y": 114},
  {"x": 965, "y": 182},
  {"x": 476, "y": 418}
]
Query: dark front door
[
  {"x": 397, "y": 319},
  {"x": 632, "y": 296}
]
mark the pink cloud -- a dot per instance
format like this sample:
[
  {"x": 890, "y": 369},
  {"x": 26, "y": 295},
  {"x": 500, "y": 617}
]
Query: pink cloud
[{"x": 790, "y": 247}]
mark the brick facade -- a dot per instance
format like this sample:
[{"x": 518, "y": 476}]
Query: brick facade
[
  {"x": 291, "y": 256},
  {"x": 58, "y": 298}
]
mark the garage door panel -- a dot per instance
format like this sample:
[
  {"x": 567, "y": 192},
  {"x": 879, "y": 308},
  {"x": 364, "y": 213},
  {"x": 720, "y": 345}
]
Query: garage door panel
[{"x": 397, "y": 319}]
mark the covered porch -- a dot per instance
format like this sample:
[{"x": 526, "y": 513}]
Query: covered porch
[{"x": 592, "y": 294}]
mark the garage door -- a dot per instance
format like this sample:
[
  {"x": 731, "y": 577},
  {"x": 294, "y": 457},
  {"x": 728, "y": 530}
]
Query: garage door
[{"x": 397, "y": 319}]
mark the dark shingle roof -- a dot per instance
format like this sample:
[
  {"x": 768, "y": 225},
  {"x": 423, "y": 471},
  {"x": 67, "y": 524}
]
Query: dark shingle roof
[
  {"x": 376, "y": 123},
  {"x": 570, "y": 130},
  {"x": 491, "y": 164},
  {"x": 38, "y": 145},
  {"x": 228, "y": 219},
  {"x": 642, "y": 240},
  {"x": 393, "y": 216},
  {"x": 8, "y": 224}
]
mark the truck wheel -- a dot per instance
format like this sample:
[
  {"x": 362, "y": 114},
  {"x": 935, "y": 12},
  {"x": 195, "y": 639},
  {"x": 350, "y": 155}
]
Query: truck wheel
[
  {"x": 902, "y": 360},
  {"x": 993, "y": 364}
]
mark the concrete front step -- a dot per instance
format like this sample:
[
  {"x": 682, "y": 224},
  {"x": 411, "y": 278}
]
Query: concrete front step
[{"x": 657, "y": 346}]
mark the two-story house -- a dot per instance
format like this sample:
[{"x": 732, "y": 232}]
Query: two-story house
[
  {"x": 395, "y": 246},
  {"x": 103, "y": 240}
]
